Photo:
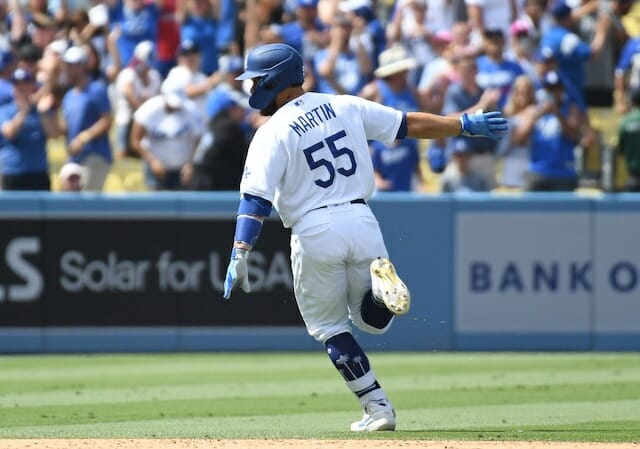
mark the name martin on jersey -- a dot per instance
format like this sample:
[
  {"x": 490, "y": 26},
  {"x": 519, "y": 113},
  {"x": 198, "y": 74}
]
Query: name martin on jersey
[{"x": 313, "y": 118}]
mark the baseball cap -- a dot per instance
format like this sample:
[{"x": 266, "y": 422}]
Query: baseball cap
[
  {"x": 307, "y": 3},
  {"x": 444, "y": 36},
  {"x": 354, "y": 5},
  {"x": 519, "y": 28},
  {"x": 143, "y": 51},
  {"x": 173, "y": 92},
  {"x": 75, "y": 55},
  {"x": 552, "y": 79},
  {"x": 560, "y": 9},
  {"x": 20, "y": 75},
  {"x": 188, "y": 47},
  {"x": 71, "y": 169},
  {"x": 493, "y": 33}
]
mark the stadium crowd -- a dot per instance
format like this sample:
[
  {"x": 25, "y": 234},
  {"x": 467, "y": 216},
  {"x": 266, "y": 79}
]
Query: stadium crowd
[{"x": 117, "y": 80}]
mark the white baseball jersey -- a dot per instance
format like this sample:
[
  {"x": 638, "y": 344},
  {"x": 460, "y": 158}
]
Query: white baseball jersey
[
  {"x": 171, "y": 136},
  {"x": 313, "y": 152}
]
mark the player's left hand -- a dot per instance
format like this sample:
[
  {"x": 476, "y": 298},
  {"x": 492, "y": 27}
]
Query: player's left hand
[
  {"x": 237, "y": 273},
  {"x": 487, "y": 124}
]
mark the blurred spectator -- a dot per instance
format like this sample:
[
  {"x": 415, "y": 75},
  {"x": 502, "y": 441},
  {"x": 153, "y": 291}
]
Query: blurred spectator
[
  {"x": 32, "y": 22},
  {"x": 341, "y": 70},
  {"x": 391, "y": 87},
  {"x": 50, "y": 66},
  {"x": 28, "y": 57},
  {"x": 188, "y": 75},
  {"x": 537, "y": 20},
  {"x": 71, "y": 177},
  {"x": 627, "y": 74},
  {"x": 219, "y": 165},
  {"x": 136, "y": 84},
  {"x": 600, "y": 68},
  {"x": 546, "y": 62},
  {"x": 490, "y": 14},
  {"x": 374, "y": 32},
  {"x": 94, "y": 64},
  {"x": 441, "y": 14},
  {"x": 86, "y": 119},
  {"x": 137, "y": 22},
  {"x": 209, "y": 24},
  {"x": 396, "y": 166},
  {"x": 168, "y": 36},
  {"x": 5, "y": 30},
  {"x": 42, "y": 29},
  {"x": 90, "y": 27},
  {"x": 460, "y": 38},
  {"x": 466, "y": 95},
  {"x": 230, "y": 67},
  {"x": 438, "y": 73},
  {"x": 165, "y": 132},
  {"x": 459, "y": 176},
  {"x": 25, "y": 127},
  {"x": 523, "y": 46},
  {"x": 514, "y": 149},
  {"x": 553, "y": 140},
  {"x": 629, "y": 142},
  {"x": 6, "y": 68},
  {"x": 494, "y": 71},
  {"x": 408, "y": 27},
  {"x": 570, "y": 52},
  {"x": 306, "y": 33}
]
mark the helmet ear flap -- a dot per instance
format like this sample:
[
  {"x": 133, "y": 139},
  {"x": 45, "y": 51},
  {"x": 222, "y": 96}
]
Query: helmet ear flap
[{"x": 268, "y": 82}]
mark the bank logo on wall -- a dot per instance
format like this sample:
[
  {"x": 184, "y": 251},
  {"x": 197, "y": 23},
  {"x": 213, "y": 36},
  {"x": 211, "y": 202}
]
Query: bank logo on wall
[
  {"x": 519, "y": 272},
  {"x": 543, "y": 272}
]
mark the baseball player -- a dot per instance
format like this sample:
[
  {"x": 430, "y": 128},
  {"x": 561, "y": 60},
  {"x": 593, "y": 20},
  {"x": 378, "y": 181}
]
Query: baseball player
[{"x": 311, "y": 162}]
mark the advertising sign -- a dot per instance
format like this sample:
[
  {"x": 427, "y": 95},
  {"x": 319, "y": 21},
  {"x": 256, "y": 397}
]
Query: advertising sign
[
  {"x": 617, "y": 264},
  {"x": 139, "y": 272},
  {"x": 523, "y": 272}
]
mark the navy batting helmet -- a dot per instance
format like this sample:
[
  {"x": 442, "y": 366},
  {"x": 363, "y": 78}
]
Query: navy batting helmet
[{"x": 278, "y": 66}]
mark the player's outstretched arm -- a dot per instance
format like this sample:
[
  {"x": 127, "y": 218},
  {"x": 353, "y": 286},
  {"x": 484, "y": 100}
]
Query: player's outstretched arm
[
  {"x": 423, "y": 125},
  {"x": 251, "y": 214}
]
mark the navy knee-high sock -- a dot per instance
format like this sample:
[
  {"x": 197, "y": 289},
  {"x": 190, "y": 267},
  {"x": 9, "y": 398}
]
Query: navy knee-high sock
[
  {"x": 351, "y": 361},
  {"x": 374, "y": 313}
]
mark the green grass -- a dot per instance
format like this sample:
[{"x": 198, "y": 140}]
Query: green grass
[{"x": 553, "y": 396}]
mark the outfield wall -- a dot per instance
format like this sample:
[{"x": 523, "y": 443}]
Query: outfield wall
[{"x": 90, "y": 273}]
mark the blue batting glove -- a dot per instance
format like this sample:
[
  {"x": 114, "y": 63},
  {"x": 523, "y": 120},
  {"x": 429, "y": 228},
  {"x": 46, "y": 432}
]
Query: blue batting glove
[
  {"x": 237, "y": 272},
  {"x": 483, "y": 124}
]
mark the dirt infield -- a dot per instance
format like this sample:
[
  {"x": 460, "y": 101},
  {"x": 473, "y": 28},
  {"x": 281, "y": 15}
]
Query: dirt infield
[{"x": 298, "y": 444}]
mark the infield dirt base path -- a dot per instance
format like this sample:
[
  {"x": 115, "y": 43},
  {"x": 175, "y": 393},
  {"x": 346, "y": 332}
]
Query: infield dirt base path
[{"x": 300, "y": 444}]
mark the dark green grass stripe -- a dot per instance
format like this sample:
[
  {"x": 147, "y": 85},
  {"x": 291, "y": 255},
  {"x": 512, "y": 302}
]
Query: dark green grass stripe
[{"x": 416, "y": 424}]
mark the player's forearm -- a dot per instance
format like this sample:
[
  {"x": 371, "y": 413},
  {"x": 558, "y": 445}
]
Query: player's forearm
[{"x": 423, "y": 125}]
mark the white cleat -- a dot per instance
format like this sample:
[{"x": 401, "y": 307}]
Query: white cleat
[
  {"x": 388, "y": 288},
  {"x": 378, "y": 415}
]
